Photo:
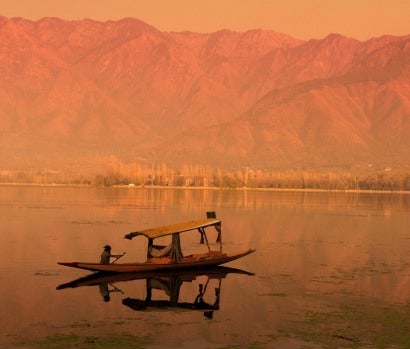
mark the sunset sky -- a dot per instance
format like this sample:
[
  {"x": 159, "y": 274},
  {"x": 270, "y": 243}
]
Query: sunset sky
[{"x": 302, "y": 19}]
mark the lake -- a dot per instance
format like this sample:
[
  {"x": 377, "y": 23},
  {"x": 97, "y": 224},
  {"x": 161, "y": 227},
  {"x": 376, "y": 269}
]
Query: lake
[{"x": 331, "y": 270}]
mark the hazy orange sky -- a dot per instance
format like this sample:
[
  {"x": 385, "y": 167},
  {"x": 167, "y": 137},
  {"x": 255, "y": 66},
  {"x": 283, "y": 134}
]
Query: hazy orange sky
[{"x": 302, "y": 19}]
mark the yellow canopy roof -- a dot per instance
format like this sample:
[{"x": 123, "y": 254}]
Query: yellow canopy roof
[{"x": 174, "y": 228}]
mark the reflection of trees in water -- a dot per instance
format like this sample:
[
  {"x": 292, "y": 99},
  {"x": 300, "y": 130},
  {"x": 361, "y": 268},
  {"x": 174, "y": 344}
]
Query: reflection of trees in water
[{"x": 249, "y": 199}]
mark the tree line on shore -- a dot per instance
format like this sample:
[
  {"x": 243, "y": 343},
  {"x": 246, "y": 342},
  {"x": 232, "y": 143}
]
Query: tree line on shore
[{"x": 197, "y": 175}]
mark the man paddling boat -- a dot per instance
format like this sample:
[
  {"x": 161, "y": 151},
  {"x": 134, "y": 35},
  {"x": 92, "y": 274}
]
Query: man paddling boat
[{"x": 106, "y": 255}]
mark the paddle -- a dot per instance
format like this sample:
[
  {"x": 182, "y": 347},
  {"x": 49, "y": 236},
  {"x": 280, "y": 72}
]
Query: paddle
[
  {"x": 115, "y": 289},
  {"x": 117, "y": 257}
]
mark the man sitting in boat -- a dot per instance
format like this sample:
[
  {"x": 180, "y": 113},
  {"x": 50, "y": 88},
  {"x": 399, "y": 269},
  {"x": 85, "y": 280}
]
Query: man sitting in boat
[{"x": 106, "y": 255}]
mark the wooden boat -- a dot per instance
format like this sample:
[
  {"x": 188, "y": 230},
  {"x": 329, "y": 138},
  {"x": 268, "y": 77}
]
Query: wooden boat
[
  {"x": 170, "y": 257},
  {"x": 94, "y": 279}
]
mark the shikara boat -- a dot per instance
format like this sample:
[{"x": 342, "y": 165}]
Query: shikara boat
[
  {"x": 170, "y": 257},
  {"x": 95, "y": 279}
]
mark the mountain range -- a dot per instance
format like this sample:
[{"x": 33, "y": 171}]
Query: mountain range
[{"x": 72, "y": 92}]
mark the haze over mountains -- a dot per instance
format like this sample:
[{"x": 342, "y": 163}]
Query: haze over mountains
[{"x": 72, "y": 92}]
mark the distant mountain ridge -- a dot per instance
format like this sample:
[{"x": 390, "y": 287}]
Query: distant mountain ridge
[{"x": 75, "y": 90}]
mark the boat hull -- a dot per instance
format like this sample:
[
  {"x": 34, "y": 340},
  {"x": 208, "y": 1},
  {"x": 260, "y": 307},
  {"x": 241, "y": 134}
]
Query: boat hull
[
  {"x": 96, "y": 278},
  {"x": 202, "y": 261}
]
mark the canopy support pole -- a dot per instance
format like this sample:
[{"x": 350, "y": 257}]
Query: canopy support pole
[
  {"x": 176, "y": 252},
  {"x": 203, "y": 236},
  {"x": 202, "y": 232},
  {"x": 218, "y": 228},
  {"x": 150, "y": 243}
]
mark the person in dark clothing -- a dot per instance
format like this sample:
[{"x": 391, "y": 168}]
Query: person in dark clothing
[{"x": 106, "y": 255}]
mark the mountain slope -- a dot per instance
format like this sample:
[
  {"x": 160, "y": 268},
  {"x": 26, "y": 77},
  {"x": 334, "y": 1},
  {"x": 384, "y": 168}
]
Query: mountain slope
[
  {"x": 358, "y": 118},
  {"x": 72, "y": 91}
]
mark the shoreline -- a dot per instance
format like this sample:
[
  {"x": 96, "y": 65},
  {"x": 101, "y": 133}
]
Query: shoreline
[{"x": 136, "y": 187}]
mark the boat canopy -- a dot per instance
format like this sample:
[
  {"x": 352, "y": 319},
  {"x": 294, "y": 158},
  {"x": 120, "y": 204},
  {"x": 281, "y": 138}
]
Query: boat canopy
[{"x": 154, "y": 233}]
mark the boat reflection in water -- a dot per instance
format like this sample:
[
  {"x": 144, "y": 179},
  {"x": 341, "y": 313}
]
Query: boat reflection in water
[{"x": 169, "y": 282}]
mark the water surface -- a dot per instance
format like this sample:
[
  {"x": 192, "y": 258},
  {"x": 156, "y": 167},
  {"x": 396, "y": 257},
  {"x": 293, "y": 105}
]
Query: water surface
[{"x": 331, "y": 269}]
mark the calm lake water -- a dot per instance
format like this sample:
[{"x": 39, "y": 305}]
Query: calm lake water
[{"x": 331, "y": 270}]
